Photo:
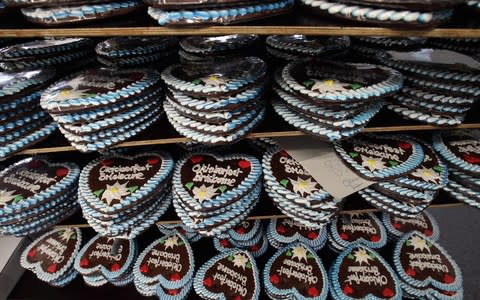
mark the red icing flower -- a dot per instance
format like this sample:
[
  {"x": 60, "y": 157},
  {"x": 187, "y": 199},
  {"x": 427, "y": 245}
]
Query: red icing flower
[
  {"x": 244, "y": 164},
  {"x": 208, "y": 282},
  {"x": 274, "y": 279},
  {"x": 52, "y": 268},
  {"x": 237, "y": 298},
  {"x": 313, "y": 292},
  {"x": 447, "y": 278},
  {"x": 281, "y": 229},
  {"x": 61, "y": 172},
  {"x": 347, "y": 290},
  {"x": 84, "y": 262},
  {"x": 106, "y": 162},
  {"x": 175, "y": 277},
  {"x": 196, "y": 159},
  {"x": 144, "y": 268},
  {"x": 255, "y": 247},
  {"x": 32, "y": 252},
  {"x": 410, "y": 272},
  {"x": 387, "y": 292},
  {"x": 312, "y": 235},
  {"x": 240, "y": 230},
  {"x": 375, "y": 238},
  {"x": 396, "y": 225},
  {"x": 33, "y": 164},
  {"x": 449, "y": 293},
  {"x": 344, "y": 236},
  {"x": 115, "y": 267},
  {"x": 405, "y": 146},
  {"x": 427, "y": 232},
  {"x": 283, "y": 153},
  {"x": 470, "y": 158},
  {"x": 153, "y": 160},
  {"x": 173, "y": 292},
  {"x": 225, "y": 243},
  {"x": 182, "y": 231}
]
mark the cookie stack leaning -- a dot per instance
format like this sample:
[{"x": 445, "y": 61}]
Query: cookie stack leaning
[
  {"x": 101, "y": 107},
  {"x": 122, "y": 196},
  {"x": 36, "y": 194},
  {"x": 332, "y": 100},
  {"x": 131, "y": 51},
  {"x": 440, "y": 85},
  {"x": 214, "y": 193},
  {"x": 408, "y": 172},
  {"x": 23, "y": 122},
  {"x": 63, "y": 54},
  {"x": 460, "y": 149},
  {"x": 215, "y": 104}
]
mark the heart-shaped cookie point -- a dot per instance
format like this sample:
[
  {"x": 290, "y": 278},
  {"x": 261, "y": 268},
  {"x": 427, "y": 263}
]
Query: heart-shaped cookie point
[
  {"x": 422, "y": 262},
  {"x": 296, "y": 272},
  {"x": 51, "y": 255},
  {"x": 361, "y": 273},
  {"x": 168, "y": 261},
  {"x": 227, "y": 276},
  {"x": 363, "y": 228},
  {"x": 377, "y": 157}
]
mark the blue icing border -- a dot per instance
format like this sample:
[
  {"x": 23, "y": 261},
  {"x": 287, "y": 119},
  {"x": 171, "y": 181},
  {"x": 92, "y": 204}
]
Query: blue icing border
[
  {"x": 136, "y": 61},
  {"x": 153, "y": 45},
  {"x": 23, "y": 83},
  {"x": 237, "y": 237},
  {"x": 450, "y": 157},
  {"x": 399, "y": 208},
  {"x": 413, "y": 194},
  {"x": 272, "y": 235},
  {"x": 182, "y": 295},
  {"x": 44, "y": 46},
  {"x": 44, "y": 62},
  {"x": 397, "y": 234},
  {"x": 429, "y": 118},
  {"x": 463, "y": 89},
  {"x": 435, "y": 108}
]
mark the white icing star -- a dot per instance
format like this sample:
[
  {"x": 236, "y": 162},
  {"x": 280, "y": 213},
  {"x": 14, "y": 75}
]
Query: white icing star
[
  {"x": 214, "y": 80},
  {"x": 328, "y": 86},
  {"x": 65, "y": 94},
  {"x": 240, "y": 260},
  {"x": 67, "y": 234},
  {"x": 203, "y": 193},
  {"x": 372, "y": 163},
  {"x": 418, "y": 243},
  {"x": 427, "y": 174},
  {"x": 299, "y": 252},
  {"x": 303, "y": 186},
  {"x": 6, "y": 196},
  {"x": 115, "y": 192},
  {"x": 362, "y": 256},
  {"x": 171, "y": 242},
  {"x": 76, "y": 82}
]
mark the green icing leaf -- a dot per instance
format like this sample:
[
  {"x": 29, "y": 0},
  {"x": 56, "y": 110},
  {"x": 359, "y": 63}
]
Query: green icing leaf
[
  {"x": 181, "y": 243},
  {"x": 230, "y": 258},
  {"x": 310, "y": 255},
  {"x": 355, "y": 86},
  {"x": 284, "y": 182},
  {"x": 429, "y": 244},
  {"x": 393, "y": 163},
  {"x": 350, "y": 256},
  {"x": 17, "y": 198},
  {"x": 74, "y": 237},
  {"x": 222, "y": 188},
  {"x": 196, "y": 81},
  {"x": 248, "y": 265},
  {"x": 308, "y": 83},
  {"x": 162, "y": 241},
  {"x": 353, "y": 154},
  {"x": 98, "y": 192},
  {"x": 373, "y": 256},
  {"x": 289, "y": 253},
  {"x": 189, "y": 185},
  {"x": 133, "y": 188},
  {"x": 409, "y": 243},
  {"x": 90, "y": 95},
  {"x": 438, "y": 169}
]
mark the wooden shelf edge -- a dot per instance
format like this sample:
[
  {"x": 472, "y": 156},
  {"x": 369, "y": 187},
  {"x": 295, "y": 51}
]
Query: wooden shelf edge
[
  {"x": 266, "y": 217},
  {"x": 35, "y": 151},
  {"x": 220, "y": 30}
]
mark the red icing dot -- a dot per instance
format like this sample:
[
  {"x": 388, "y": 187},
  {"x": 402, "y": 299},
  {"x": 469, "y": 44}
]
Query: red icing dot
[
  {"x": 240, "y": 230},
  {"x": 61, "y": 172},
  {"x": 32, "y": 252},
  {"x": 244, "y": 164},
  {"x": 313, "y": 292},
  {"x": 84, "y": 262},
  {"x": 347, "y": 290},
  {"x": 144, "y": 268},
  {"x": 447, "y": 278},
  {"x": 182, "y": 231},
  {"x": 33, "y": 164},
  {"x": 375, "y": 238},
  {"x": 208, "y": 282},
  {"x": 344, "y": 236},
  {"x": 283, "y": 153},
  {"x": 52, "y": 268},
  {"x": 281, "y": 229},
  {"x": 196, "y": 159},
  {"x": 106, "y": 162},
  {"x": 312, "y": 235},
  {"x": 225, "y": 243},
  {"x": 274, "y": 279},
  {"x": 175, "y": 277},
  {"x": 173, "y": 292},
  {"x": 427, "y": 232},
  {"x": 115, "y": 267},
  {"x": 153, "y": 160},
  {"x": 237, "y": 298},
  {"x": 449, "y": 293},
  {"x": 255, "y": 247},
  {"x": 471, "y": 158},
  {"x": 387, "y": 292},
  {"x": 410, "y": 272},
  {"x": 396, "y": 225},
  {"x": 405, "y": 146}
]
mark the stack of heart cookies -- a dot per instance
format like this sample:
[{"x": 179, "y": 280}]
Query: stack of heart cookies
[
  {"x": 131, "y": 51},
  {"x": 212, "y": 193},
  {"x": 223, "y": 12},
  {"x": 440, "y": 85},
  {"x": 63, "y": 54},
  {"x": 468, "y": 46},
  {"x": 409, "y": 173},
  {"x": 107, "y": 260},
  {"x": 165, "y": 268},
  {"x": 215, "y": 104},
  {"x": 425, "y": 269},
  {"x": 361, "y": 228},
  {"x": 461, "y": 150},
  {"x": 397, "y": 227},
  {"x": 387, "y": 13},
  {"x": 217, "y": 48},
  {"x": 36, "y": 194},
  {"x": 191, "y": 235},
  {"x": 332, "y": 100},
  {"x": 100, "y": 107},
  {"x": 22, "y": 121},
  {"x": 294, "y": 191},
  {"x": 283, "y": 231},
  {"x": 249, "y": 235},
  {"x": 122, "y": 196},
  {"x": 51, "y": 256}
]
